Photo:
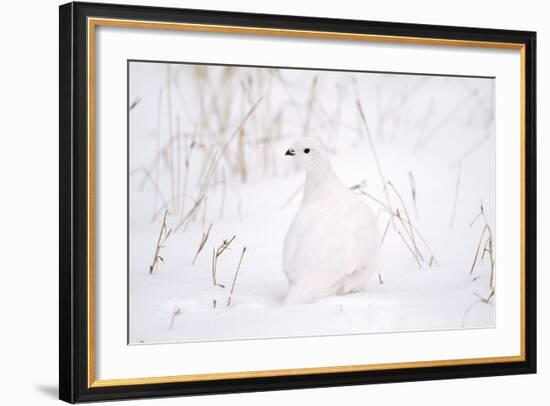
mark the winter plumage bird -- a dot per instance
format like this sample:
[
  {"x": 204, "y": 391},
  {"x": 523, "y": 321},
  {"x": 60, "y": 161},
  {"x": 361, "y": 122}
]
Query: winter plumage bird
[{"x": 332, "y": 245}]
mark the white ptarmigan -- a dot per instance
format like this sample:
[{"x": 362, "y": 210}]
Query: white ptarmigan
[{"x": 332, "y": 245}]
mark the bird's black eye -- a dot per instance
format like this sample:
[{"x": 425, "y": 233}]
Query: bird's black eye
[{"x": 306, "y": 151}]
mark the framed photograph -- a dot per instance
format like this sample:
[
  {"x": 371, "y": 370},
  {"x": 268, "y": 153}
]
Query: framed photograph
[{"x": 258, "y": 202}]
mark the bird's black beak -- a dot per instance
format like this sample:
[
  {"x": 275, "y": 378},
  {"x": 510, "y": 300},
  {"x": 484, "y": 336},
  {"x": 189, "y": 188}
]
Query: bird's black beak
[{"x": 290, "y": 152}]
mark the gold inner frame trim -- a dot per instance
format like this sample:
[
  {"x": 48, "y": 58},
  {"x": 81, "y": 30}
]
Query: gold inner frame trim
[{"x": 94, "y": 22}]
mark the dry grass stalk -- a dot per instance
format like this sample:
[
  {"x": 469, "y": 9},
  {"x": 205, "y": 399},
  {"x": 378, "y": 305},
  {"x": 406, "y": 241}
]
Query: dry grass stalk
[
  {"x": 227, "y": 186},
  {"x": 412, "y": 184},
  {"x": 427, "y": 117},
  {"x": 445, "y": 119},
  {"x": 213, "y": 270},
  {"x": 375, "y": 155},
  {"x": 213, "y": 166},
  {"x": 485, "y": 246},
  {"x": 457, "y": 189},
  {"x": 433, "y": 259},
  {"x": 216, "y": 253},
  {"x": 396, "y": 106},
  {"x": 474, "y": 263},
  {"x": 310, "y": 105},
  {"x": 171, "y": 157},
  {"x": 202, "y": 243},
  {"x": 191, "y": 212},
  {"x": 136, "y": 101},
  {"x": 241, "y": 158},
  {"x": 204, "y": 211},
  {"x": 411, "y": 232},
  {"x": 163, "y": 236},
  {"x": 414, "y": 254},
  {"x": 187, "y": 163},
  {"x": 169, "y": 153},
  {"x": 470, "y": 307},
  {"x": 487, "y": 111},
  {"x": 470, "y": 150},
  {"x": 202, "y": 194},
  {"x": 235, "y": 277},
  {"x": 177, "y": 311},
  {"x": 385, "y": 232},
  {"x": 154, "y": 183},
  {"x": 406, "y": 223},
  {"x": 157, "y": 135},
  {"x": 178, "y": 166},
  {"x": 409, "y": 222},
  {"x": 224, "y": 245},
  {"x": 164, "y": 153},
  {"x": 485, "y": 299}
]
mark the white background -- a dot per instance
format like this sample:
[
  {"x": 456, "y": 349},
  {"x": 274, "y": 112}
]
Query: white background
[{"x": 29, "y": 221}]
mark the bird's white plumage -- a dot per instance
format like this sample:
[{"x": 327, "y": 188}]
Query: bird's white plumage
[{"x": 331, "y": 246}]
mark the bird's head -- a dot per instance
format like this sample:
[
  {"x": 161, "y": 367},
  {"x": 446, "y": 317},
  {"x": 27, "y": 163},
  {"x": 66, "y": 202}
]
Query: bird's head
[{"x": 310, "y": 154}]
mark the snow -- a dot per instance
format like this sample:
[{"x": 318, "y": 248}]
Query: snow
[{"x": 433, "y": 127}]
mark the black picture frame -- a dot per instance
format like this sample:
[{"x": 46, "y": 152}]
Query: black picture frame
[{"x": 74, "y": 385}]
